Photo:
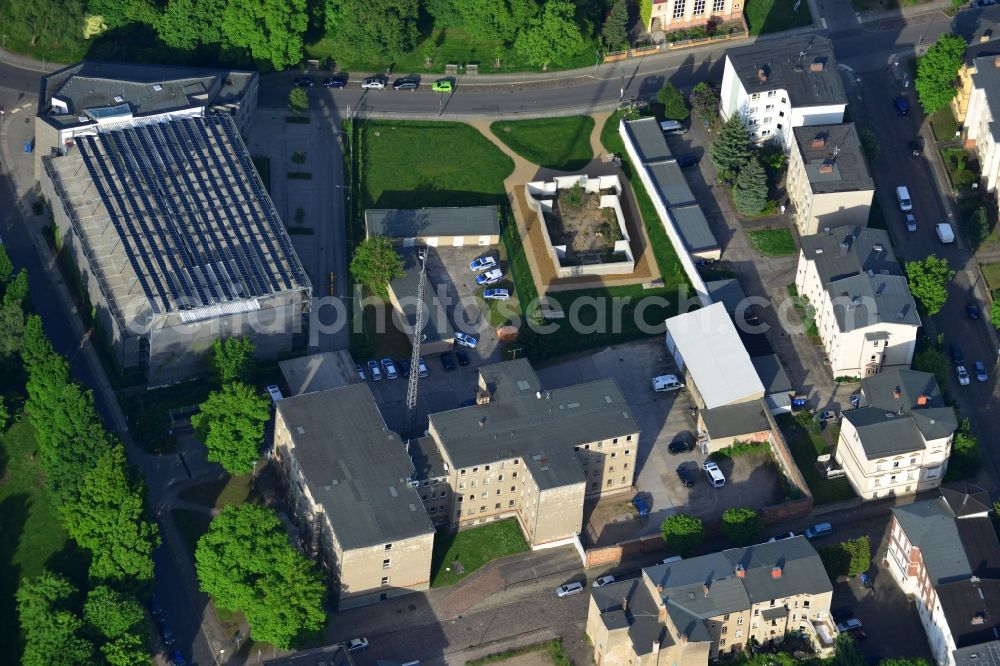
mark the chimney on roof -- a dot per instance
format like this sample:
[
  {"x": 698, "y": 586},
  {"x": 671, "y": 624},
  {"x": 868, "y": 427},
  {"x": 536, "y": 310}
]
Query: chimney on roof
[
  {"x": 818, "y": 142},
  {"x": 979, "y": 617},
  {"x": 985, "y": 37},
  {"x": 897, "y": 393},
  {"x": 878, "y": 247},
  {"x": 922, "y": 400},
  {"x": 762, "y": 74},
  {"x": 996, "y": 61},
  {"x": 661, "y": 615},
  {"x": 844, "y": 247},
  {"x": 776, "y": 571},
  {"x": 656, "y": 647},
  {"x": 482, "y": 422},
  {"x": 826, "y": 166},
  {"x": 816, "y": 66},
  {"x": 704, "y": 589},
  {"x": 483, "y": 398},
  {"x": 682, "y": 639},
  {"x": 740, "y": 571},
  {"x": 624, "y": 604},
  {"x": 659, "y": 588}
]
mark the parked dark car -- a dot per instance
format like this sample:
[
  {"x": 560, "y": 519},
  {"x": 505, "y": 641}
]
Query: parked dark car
[
  {"x": 680, "y": 445},
  {"x": 641, "y": 505},
  {"x": 405, "y": 84},
  {"x": 404, "y": 367},
  {"x": 972, "y": 310},
  {"x": 902, "y": 106},
  {"x": 304, "y": 82},
  {"x": 154, "y": 605},
  {"x": 917, "y": 146},
  {"x": 686, "y": 477},
  {"x": 956, "y": 355},
  {"x": 463, "y": 358},
  {"x": 448, "y": 361},
  {"x": 334, "y": 82},
  {"x": 167, "y": 633},
  {"x": 686, "y": 161}
]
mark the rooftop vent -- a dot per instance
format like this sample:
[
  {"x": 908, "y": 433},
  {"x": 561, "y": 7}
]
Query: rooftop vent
[
  {"x": 776, "y": 571},
  {"x": 878, "y": 247},
  {"x": 392, "y": 491},
  {"x": 704, "y": 589},
  {"x": 762, "y": 74},
  {"x": 817, "y": 66},
  {"x": 683, "y": 638},
  {"x": 897, "y": 392},
  {"x": 979, "y": 617},
  {"x": 890, "y": 415},
  {"x": 119, "y": 99},
  {"x": 996, "y": 61},
  {"x": 819, "y": 250},
  {"x": 482, "y": 422},
  {"x": 740, "y": 571},
  {"x": 844, "y": 247},
  {"x": 301, "y": 430},
  {"x": 826, "y": 166},
  {"x": 922, "y": 399},
  {"x": 985, "y": 37},
  {"x": 538, "y": 395},
  {"x": 157, "y": 87}
]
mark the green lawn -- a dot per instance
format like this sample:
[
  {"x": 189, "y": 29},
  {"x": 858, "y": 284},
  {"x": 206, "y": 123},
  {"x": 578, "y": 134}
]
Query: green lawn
[
  {"x": 956, "y": 162},
  {"x": 445, "y": 46},
  {"x": 773, "y": 242},
  {"x": 32, "y": 536},
  {"x": 764, "y": 16},
  {"x": 219, "y": 493},
  {"x": 806, "y": 443},
  {"x": 553, "y": 143},
  {"x": 944, "y": 125},
  {"x": 473, "y": 548},
  {"x": 414, "y": 164},
  {"x": 547, "y": 652}
]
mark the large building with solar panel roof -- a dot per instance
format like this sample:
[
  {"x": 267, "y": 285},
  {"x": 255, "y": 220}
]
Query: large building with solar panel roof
[{"x": 175, "y": 237}]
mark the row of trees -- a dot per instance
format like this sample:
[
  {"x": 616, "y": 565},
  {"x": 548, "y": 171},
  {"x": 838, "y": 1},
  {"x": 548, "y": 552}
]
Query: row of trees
[
  {"x": 738, "y": 163},
  {"x": 684, "y": 533},
  {"x": 100, "y": 504},
  {"x": 273, "y": 32}
]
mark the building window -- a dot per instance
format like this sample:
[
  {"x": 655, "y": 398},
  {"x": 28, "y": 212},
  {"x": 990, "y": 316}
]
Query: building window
[
  {"x": 462, "y": 472},
  {"x": 624, "y": 479},
  {"x": 499, "y": 490},
  {"x": 629, "y": 438},
  {"x": 628, "y": 452},
  {"x": 433, "y": 509},
  {"x": 610, "y": 481},
  {"x": 725, "y": 618},
  {"x": 475, "y": 470},
  {"x": 615, "y": 440},
  {"x": 699, "y": 7},
  {"x": 482, "y": 509},
  {"x": 769, "y": 107},
  {"x": 487, "y": 468},
  {"x": 739, "y": 620},
  {"x": 739, "y": 633},
  {"x": 474, "y": 483},
  {"x": 611, "y": 468},
  {"x": 718, "y": 5},
  {"x": 725, "y": 630},
  {"x": 386, "y": 563},
  {"x": 385, "y": 580},
  {"x": 805, "y": 604},
  {"x": 754, "y": 97},
  {"x": 500, "y": 478},
  {"x": 497, "y": 507},
  {"x": 625, "y": 466},
  {"x": 514, "y": 475},
  {"x": 461, "y": 497},
  {"x": 771, "y": 93},
  {"x": 722, "y": 642},
  {"x": 388, "y": 546},
  {"x": 614, "y": 455},
  {"x": 485, "y": 493},
  {"x": 512, "y": 488},
  {"x": 756, "y": 612},
  {"x": 461, "y": 486}
]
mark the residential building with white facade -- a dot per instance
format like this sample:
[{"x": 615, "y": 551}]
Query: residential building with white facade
[
  {"x": 776, "y": 85},
  {"x": 943, "y": 553},
  {"x": 827, "y": 181},
  {"x": 670, "y": 15},
  {"x": 898, "y": 440},
  {"x": 864, "y": 312},
  {"x": 982, "y": 118},
  {"x": 688, "y": 612}
]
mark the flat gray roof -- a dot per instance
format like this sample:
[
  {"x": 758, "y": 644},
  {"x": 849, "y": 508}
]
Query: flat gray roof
[
  {"x": 772, "y": 374},
  {"x": 833, "y": 158},
  {"x": 671, "y": 186},
  {"x": 648, "y": 139},
  {"x": 542, "y": 431},
  {"x": 355, "y": 467},
  {"x": 411, "y": 223},
  {"x": 930, "y": 525},
  {"x": 176, "y": 219},
  {"x": 734, "y": 420},
  {"x": 147, "y": 89},
  {"x": 693, "y": 228},
  {"x": 729, "y": 292},
  {"x": 788, "y": 65},
  {"x": 319, "y": 372},
  {"x": 983, "y": 654}
]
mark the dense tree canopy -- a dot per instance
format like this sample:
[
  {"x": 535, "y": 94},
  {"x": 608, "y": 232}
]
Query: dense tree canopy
[
  {"x": 674, "y": 106},
  {"x": 375, "y": 264},
  {"x": 928, "y": 279},
  {"x": 232, "y": 358},
  {"x": 376, "y": 29},
  {"x": 271, "y": 30},
  {"x": 682, "y": 533},
  {"x": 246, "y": 563},
  {"x": 51, "y": 628},
  {"x": 112, "y": 613},
  {"x": 496, "y": 19},
  {"x": 937, "y": 72},
  {"x": 730, "y": 150},
  {"x": 705, "y": 101},
  {"x": 741, "y": 526},
  {"x": 551, "y": 37},
  {"x": 614, "y": 31},
  {"x": 108, "y": 519},
  {"x": 231, "y": 424},
  {"x": 750, "y": 190},
  {"x": 186, "y": 24}
]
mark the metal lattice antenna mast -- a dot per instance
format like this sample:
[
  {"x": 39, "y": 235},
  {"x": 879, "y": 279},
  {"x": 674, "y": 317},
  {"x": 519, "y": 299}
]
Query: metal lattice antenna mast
[{"x": 418, "y": 334}]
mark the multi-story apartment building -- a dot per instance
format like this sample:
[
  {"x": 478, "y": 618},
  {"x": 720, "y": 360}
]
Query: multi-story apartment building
[
  {"x": 777, "y": 85},
  {"x": 530, "y": 453},
  {"x": 670, "y": 15},
  {"x": 828, "y": 182},
  {"x": 984, "y": 40},
  {"x": 982, "y": 117},
  {"x": 898, "y": 439},
  {"x": 350, "y": 484},
  {"x": 687, "y": 612},
  {"x": 943, "y": 553},
  {"x": 859, "y": 299}
]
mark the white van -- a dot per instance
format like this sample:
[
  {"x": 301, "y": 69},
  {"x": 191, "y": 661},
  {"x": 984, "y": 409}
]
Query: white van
[
  {"x": 667, "y": 383},
  {"x": 945, "y": 233},
  {"x": 714, "y": 474},
  {"x": 903, "y": 197}
]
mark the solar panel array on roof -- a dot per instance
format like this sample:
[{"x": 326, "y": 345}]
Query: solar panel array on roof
[{"x": 191, "y": 212}]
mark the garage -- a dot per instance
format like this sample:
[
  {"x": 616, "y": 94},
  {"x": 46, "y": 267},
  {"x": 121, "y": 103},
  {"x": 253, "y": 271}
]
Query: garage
[{"x": 444, "y": 227}]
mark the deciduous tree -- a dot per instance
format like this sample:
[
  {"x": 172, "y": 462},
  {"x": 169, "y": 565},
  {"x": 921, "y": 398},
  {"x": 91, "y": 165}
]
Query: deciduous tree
[
  {"x": 116, "y": 13},
  {"x": 6, "y": 265},
  {"x": 50, "y": 23},
  {"x": 496, "y": 19},
  {"x": 379, "y": 30},
  {"x": 614, "y": 31},
  {"x": 51, "y": 628},
  {"x": 127, "y": 650},
  {"x": 246, "y": 563},
  {"x": 551, "y": 37},
  {"x": 705, "y": 101},
  {"x": 977, "y": 226},
  {"x": 935, "y": 362},
  {"x": 928, "y": 279},
  {"x": 112, "y": 613},
  {"x": 750, "y": 191},
  {"x": 186, "y": 24},
  {"x": 232, "y": 359},
  {"x": 730, "y": 151},
  {"x": 995, "y": 313},
  {"x": 682, "y": 533},
  {"x": 231, "y": 424},
  {"x": 859, "y": 552},
  {"x": 741, "y": 526},
  {"x": 108, "y": 518},
  {"x": 16, "y": 292},
  {"x": 847, "y": 652},
  {"x": 673, "y": 103},
  {"x": 937, "y": 72},
  {"x": 271, "y": 30},
  {"x": 298, "y": 101},
  {"x": 375, "y": 264}
]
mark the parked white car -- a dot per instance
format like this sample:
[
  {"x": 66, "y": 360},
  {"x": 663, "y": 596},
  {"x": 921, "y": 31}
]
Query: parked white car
[
  {"x": 667, "y": 383},
  {"x": 466, "y": 340},
  {"x": 496, "y": 295},
  {"x": 482, "y": 263},
  {"x": 604, "y": 580},
  {"x": 489, "y": 277},
  {"x": 963, "y": 375},
  {"x": 569, "y": 589}
]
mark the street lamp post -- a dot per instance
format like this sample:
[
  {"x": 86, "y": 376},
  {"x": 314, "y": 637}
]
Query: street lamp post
[{"x": 621, "y": 96}]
